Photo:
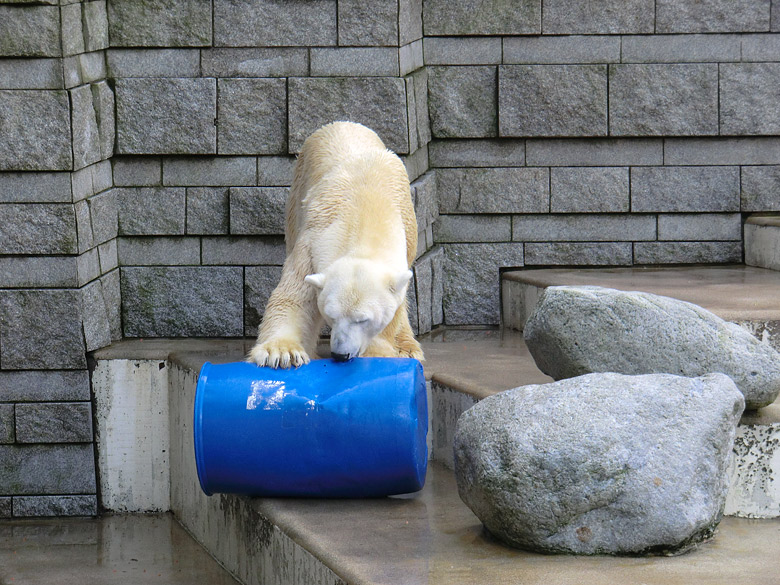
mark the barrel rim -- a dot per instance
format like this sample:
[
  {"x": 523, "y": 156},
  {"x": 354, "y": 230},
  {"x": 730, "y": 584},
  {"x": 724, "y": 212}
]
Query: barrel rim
[{"x": 197, "y": 428}]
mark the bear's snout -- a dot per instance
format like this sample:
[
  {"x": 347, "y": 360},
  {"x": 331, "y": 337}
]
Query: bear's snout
[{"x": 340, "y": 357}]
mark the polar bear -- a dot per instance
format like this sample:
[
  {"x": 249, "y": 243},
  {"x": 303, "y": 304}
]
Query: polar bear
[{"x": 351, "y": 237}]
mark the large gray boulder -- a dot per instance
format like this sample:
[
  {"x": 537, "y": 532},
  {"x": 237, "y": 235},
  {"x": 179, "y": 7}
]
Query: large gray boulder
[
  {"x": 577, "y": 330},
  {"x": 602, "y": 463}
]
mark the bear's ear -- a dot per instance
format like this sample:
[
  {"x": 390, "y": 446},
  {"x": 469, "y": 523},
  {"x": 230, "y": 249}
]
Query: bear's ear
[
  {"x": 316, "y": 280},
  {"x": 399, "y": 281}
]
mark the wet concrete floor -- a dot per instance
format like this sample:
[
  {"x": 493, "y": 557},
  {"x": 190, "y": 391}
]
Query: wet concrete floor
[{"x": 127, "y": 550}]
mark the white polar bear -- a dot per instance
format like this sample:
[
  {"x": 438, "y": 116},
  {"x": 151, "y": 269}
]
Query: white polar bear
[{"x": 351, "y": 237}]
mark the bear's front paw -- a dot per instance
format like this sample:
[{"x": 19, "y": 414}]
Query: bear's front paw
[
  {"x": 410, "y": 348},
  {"x": 278, "y": 353}
]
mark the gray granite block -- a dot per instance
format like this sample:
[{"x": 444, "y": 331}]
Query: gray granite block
[
  {"x": 30, "y": 31},
  {"x": 748, "y": 98},
  {"x": 368, "y": 23},
  {"x": 419, "y": 109},
  {"x": 166, "y": 116},
  {"x": 552, "y": 100},
  {"x": 578, "y": 254},
  {"x": 663, "y": 99},
  {"x": 31, "y": 74},
  {"x": 159, "y": 251},
  {"x": 477, "y": 153},
  {"x": 594, "y": 152},
  {"x": 257, "y": 62},
  {"x": 37, "y": 506},
  {"x": 688, "y": 252},
  {"x": 86, "y": 136},
  {"x": 259, "y": 282},
  {"x": 6, "y": 424},
  {"x": 207, "y": 210},
  {"x": 257, "y": 210},
  {"x": 493, "y": 17},
  {"x": 43, "y": 386},
  {"x": 36, "y": 130},
  {"x": 760, "y": 188},
  {"x": 377, "y": 102},
  {"x": 163, "y": 23},
  {"x": 589, "y": 190},
  {"x": 252, "y": 116},
  {"x": 193, "y": 301},
  {"x": 104, "y": 213},
  {"x": 243, "y": 251},
  {"x": 47, "y": 469},
  {"x": 493, "y": 190},
  {"x": 88, "y": 266},
  {"x": 35, "y": 188},
  {"x": 112, "y": 294},
  {"x": 270, "y": 23},
  {"x": 95, "y": 314},
  {"x": 472, "y": 228},
  {"x": 154, "y": 62},
  {"x": 6, "y": 509},
  {"x": 354, "y": 61},
  {"x": 462, "y": 50},
  {"x": 722, "y": 151},
  {"x": 685, "y": 189},
  {"x": 695, "y": 16},
  {"x": 700, "y": 226},
  {"x": 151, "y": 211},
  {"x": 538, "y": 50},
  {"x": 108, "y": 256},
  {"x": 462, "y": 102},
  {"x": 38, "y": 272},
  {"x": 583, "y": 228},
  {"x": 423, "y": 285},
  {"x": 410, "y": 26},
  {"x": 28, "y": 228},
  {"x": 760, "y": 47},
  {"x": 410, "y": 58},
  {"x": 83, "y": 227},
  {"x": 566, "y": 17},
  {"x": 471, "y": 281},
  {"x": 41, "y": 330},
  {"x": 104, "y": 104},
  {"x": 95, "y": 15},
  {"x": 275, "y": 171},
  {"x": 680, "y": 48},
  {"x": 72, "y": 29},
  {"x": 137, "y": 171},
  {"x": 211, "y": 171},
  {"x": 426, "y": 206},
  {"x": 54, "y": 422}
]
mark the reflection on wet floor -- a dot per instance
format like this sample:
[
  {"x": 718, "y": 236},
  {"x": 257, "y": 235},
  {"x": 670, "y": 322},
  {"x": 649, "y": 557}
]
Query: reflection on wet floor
[{"x": 110, "y": 550}]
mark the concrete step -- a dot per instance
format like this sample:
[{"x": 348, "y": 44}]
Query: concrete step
[{"x": 762, "y": 241}]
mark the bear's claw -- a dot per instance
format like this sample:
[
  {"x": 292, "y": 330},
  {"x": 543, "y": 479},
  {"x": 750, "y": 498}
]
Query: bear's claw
[{"x": 278, "y": 354}]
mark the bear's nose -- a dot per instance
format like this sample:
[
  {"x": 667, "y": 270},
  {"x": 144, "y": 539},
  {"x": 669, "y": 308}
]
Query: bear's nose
[{"x": 340, "y": 357}]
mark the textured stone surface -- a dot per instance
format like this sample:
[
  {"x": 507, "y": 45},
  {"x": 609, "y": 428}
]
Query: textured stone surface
[
  {"x": 578, "y": 254},
  {"x": 462, "y": 101},
  {"x": 607, "y": 17},
  {"x": 31, "y": 74},
  {"x": 587, "y": 228},
  {"x": 747, "y": 98},
  {"x": 552, "y": 100},
  {"x": 688, "y": 252},
  {"x": 86, "y": 135},
  {"x": 153, "y": 62},
  {"x": 6, "y": 423},
  {"x": 104, "y": 214},
  {"x": 252, "y": 116},
  {"x": 243, "y": 250},
  {"x": 368, "y": 22},
  {"x": 471, "y": 281},
  {"x": 594, "y": 152},
  {"x": 259, "y": 62},
  {"x": 159, "y": 251},
  {"x": 47, "y": 469},
  {"x": 166, "y": 116},
  {"x": 589, "y": 190},
  {"x": 377, "y": 102},
  {"x": 207, "y": 210},
  {"x": 685, "y": 189},
  {"x": 213, "y": 171},
  {"x": 477, "y": 153},
  {"x": 58, "y": 422},
  {"x": 680, "y": 48},
  {"x": 662, "y": 100},
  {"x": 275, "y": 171},
  {"x": 561, "y": 49},
  {"x": 30, "y": 31},
  {"x": 578, "y": 330},
  {"x": 462, "y": 50},
  {"x": 36, "y": 506},
  {"x": 354, "y": 61},
  {"x": 760, "y": 186},
  {"x": 104, "y": 104},
  {"x": 41, "y": 330},
  {"x": 151, "y": 211},
  {"x": 704, "y": 226},
  {"x": 36, "y": 130},
  {"x": 695, "y": 16},
  {"x": 600, "y": 464},
  {"x": 95, "y": 17},
  {"x": 95, "y": 315},
  {"x": 72, "y": 29},
  {"x": 472, "y": 228},
  {"x": 499, "y": 190},
  {"x": 259, "y": 282},
  {"x": 257, "y": 210},
  {"x": 163, "y": 23},
  {"x": 38, "y": 272},
  {"x": 270, "y": 23},
  {"x": 42, "y": 386},
  {"x": 137, "y": 172},
  {"x": 182, "y": 302},
  {"x": 494, "y": 17},
  {"x": 37, "y": 229}
]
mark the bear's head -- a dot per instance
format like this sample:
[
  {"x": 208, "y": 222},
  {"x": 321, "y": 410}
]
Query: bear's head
[{"x": 357, "y": 298}]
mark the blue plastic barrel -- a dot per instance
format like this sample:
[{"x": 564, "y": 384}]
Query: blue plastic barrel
[{"x": 326, "y": 429}]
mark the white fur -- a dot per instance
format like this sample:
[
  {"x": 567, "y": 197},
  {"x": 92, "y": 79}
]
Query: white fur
[{"x": 351, "y": 237}]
